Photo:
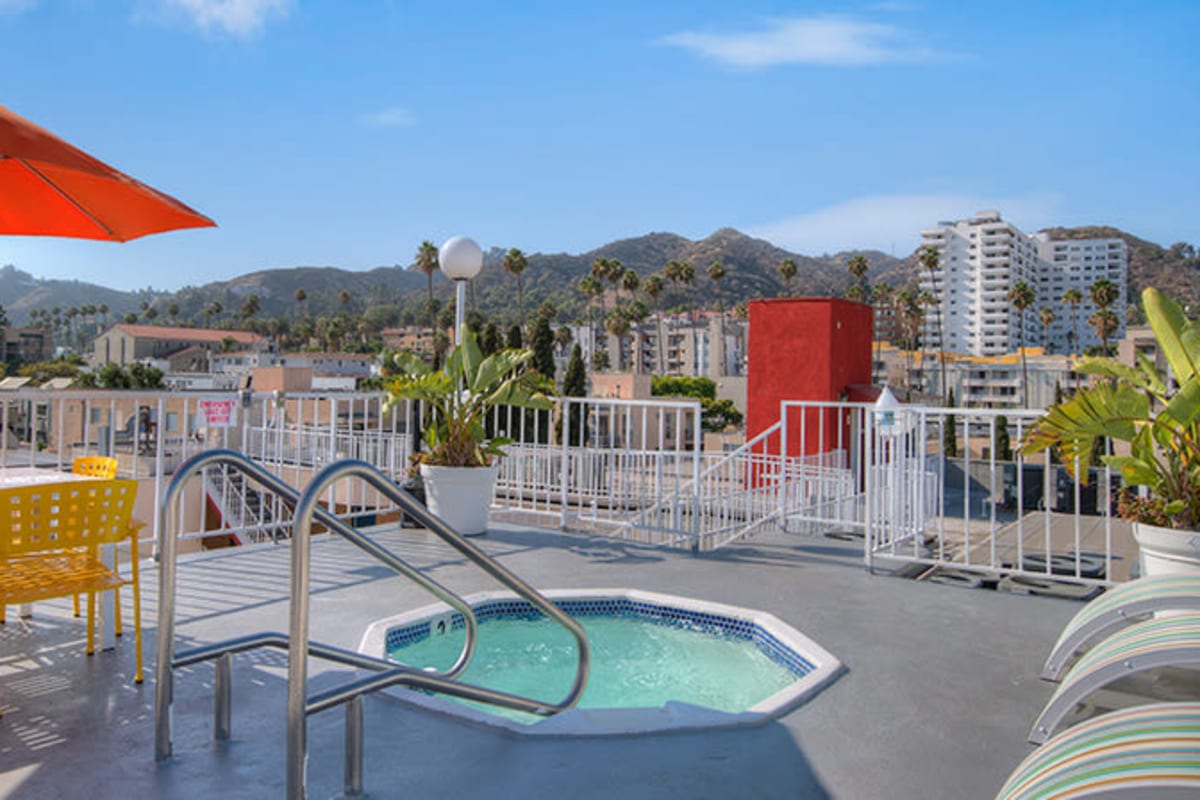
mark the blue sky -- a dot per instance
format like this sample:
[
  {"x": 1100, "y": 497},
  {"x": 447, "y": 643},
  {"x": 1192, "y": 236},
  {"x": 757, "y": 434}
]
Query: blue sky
[{"x": 332, "y": 133}]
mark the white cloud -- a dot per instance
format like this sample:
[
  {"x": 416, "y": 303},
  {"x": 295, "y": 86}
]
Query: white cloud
[
  {"x": 242, "y": 18},
  {"x": 389, "y": 118},
  {"x": 824, "y": 40},
  {"x": 15, "y": 6},
  {"x": 893, "y": 223}
]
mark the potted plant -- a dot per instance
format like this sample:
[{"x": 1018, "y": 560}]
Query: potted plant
[
  {"x": 1158, "y": 417},
  {"x": 459, "y": 465}
]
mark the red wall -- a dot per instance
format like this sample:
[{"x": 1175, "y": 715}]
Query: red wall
[{"x": 805, "y": 348}]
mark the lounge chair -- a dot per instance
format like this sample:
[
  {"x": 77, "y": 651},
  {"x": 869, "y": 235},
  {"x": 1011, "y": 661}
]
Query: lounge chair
[
  {"x": 1143, "y": 752},
  {"x": 1119, "y": 607},
  {"x": 1159, "y": 642}
]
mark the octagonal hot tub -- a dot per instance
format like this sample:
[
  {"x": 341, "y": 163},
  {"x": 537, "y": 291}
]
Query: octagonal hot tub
[{"x": 659, "y": 662}]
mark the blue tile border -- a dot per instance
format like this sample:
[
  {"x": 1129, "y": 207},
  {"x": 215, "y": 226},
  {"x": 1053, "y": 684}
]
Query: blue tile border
[{"x": 703, "y": 622}]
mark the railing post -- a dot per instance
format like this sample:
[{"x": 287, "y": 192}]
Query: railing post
[
  {"x": 563, "y": 468},
  {"x": 697, "y": 447},
  {"x": 222, "y": 697},
  {"x": 868, "y": 461},
  {"x": 353, "y": 766},
  {"x": 297, "y": 686}
]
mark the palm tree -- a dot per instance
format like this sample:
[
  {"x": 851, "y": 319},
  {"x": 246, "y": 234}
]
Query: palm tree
[
  {"x": 614, "y": 271},
  {"x": 931, "y": 260},
  {"x": 214, "y": 308},
  {"x": 858, "y": 270},
  {"x": 926, "y": 300},
  {"x": 716, "y": 273},
  {"x": 630, "y": 281},
  {"x": 1046, "y": 315},
  {"x": 1105, "y": 322},
  {"x": 617, "y": 324},
  {"x": 173, "y": 313},
  {"x": 300, "y": 296},
  {"x": 1103, "y": 294},
  {"x": 427, "y": 262},
  {"x": 787, "y": 269},
  {"x": 1022, "y": 296},
  {"x": 250, "y": 307},
  {"x": 591, "y": 288},
  {"x": 881, "y": 300},
  {"x": 514, "y": 264},
  {"x": 685, "y": 274},
  {"x": 653, "y": 287},
  {"x": 563, "y": 337},
  {"x": 103, "y": 311},
  {"x": 1073, "y": 297},
  {"x": 910, "y": 319}
]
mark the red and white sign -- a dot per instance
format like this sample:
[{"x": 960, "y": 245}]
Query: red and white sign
[{"x": 218, "y": 413}]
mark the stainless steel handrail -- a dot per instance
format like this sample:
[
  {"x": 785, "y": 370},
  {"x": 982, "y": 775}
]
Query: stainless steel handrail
[
  {"x": 167, "y": 661},
  {"x": 299, "y": 706}
]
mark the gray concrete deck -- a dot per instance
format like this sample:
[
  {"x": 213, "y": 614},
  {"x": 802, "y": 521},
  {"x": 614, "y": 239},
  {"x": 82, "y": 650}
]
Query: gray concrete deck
[{"x": 939, "y": 695}]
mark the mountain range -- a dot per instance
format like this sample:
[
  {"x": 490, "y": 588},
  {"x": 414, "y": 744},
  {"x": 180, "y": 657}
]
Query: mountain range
[{"x": 752, "y": 271}]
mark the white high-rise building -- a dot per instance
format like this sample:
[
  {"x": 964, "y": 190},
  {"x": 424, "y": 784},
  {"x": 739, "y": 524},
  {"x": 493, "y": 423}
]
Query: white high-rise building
[
  {"x": 1078, "y": 264},
  {"x": 982, "y": 258}
]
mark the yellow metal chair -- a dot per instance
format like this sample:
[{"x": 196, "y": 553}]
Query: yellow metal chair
[
  {"x": 95, "y": 467},
  {"x": 98, "y": 467},
  {"x": 50, "y": 538}
]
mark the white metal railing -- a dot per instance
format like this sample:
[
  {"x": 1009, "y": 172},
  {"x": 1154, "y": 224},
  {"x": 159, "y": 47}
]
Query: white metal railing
[
  {"x": 605, "y": 460},
  {"x": 759, "y": 483},
  {"x": 992, "y": 514},
  {"x": 151, "y": 433},
  {"x": 630, "y": 469}
]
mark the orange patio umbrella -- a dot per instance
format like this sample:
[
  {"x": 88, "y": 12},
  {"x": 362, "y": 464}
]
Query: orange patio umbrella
[{"x": 50, "y": 188}]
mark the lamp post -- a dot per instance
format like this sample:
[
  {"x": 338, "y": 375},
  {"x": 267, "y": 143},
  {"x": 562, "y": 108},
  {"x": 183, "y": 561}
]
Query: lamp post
[{"x": 460, "y": 259}]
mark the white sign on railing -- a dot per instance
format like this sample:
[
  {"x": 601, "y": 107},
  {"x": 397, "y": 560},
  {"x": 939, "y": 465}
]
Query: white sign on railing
[{"x": 217, "y": 413}]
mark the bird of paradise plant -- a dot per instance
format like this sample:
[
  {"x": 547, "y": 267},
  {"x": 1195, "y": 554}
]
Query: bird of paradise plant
[
  {"x": 1157, "y": 415},
  {"x": 460, "y": 395}
]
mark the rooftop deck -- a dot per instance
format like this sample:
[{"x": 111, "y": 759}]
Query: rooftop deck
[{"x": 938, "y": 698}]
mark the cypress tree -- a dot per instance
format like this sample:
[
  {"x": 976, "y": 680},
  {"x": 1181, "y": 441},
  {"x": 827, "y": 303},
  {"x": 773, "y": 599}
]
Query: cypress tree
[
  {"x": 950, "y": 430},
  {"x": 491, "y": 341},
  {"x": 1003, "y": 445},
  {"x": 542, "y": 345},
  {"x": 575, "y": 385},
  {"x": 515, "y": 341}
]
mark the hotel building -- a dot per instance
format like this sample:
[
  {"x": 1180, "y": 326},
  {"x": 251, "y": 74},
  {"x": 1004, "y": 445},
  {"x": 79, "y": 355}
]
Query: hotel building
[{"x": 983, "y": 257}]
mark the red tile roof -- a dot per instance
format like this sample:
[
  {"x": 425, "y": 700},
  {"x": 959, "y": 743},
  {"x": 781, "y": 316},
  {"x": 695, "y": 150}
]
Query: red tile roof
[{"x": 188, "y": 334}]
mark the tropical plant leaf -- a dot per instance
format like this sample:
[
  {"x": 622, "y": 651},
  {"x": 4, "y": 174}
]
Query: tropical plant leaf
[
  {"x": 462, "y": 393},
  {"x": 1178, "y": 339},
  {"x": 1184, "y": 407},
  {"x": 1135, "y": 471},
  {"x": 1074, "y": 426},
  {"x": 410, "y": 364},
  {"x": 1134, "y": 376}
]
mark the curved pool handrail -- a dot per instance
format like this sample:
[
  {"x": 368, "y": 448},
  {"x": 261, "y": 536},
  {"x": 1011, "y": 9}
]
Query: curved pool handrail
[
  {"x": 168, "y": 513},
  {"x": 298, "y": 707}
]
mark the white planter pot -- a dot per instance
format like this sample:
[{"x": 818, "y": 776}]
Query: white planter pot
[
  {"x": 460, "y": 495},
  {"x": 1167, "y": 551}
]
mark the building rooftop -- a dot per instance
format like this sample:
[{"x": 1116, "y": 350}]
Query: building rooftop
[
  {"x": 188, "y": 334},
  {"x": 940, "y": 690}
]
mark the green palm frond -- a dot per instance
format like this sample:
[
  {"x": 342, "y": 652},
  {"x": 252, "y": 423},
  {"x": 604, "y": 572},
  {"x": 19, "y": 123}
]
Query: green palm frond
[
  {"x": 1158, "y": 419},
  {"x": 462, "y": 393}
]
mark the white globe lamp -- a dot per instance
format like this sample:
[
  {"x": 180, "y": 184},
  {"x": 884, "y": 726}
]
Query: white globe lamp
[{"x": 460, "y": 260}]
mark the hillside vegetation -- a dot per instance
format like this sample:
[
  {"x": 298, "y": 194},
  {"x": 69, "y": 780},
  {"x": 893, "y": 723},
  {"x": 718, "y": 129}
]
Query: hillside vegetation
[{"x": 390, "y": 295}]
